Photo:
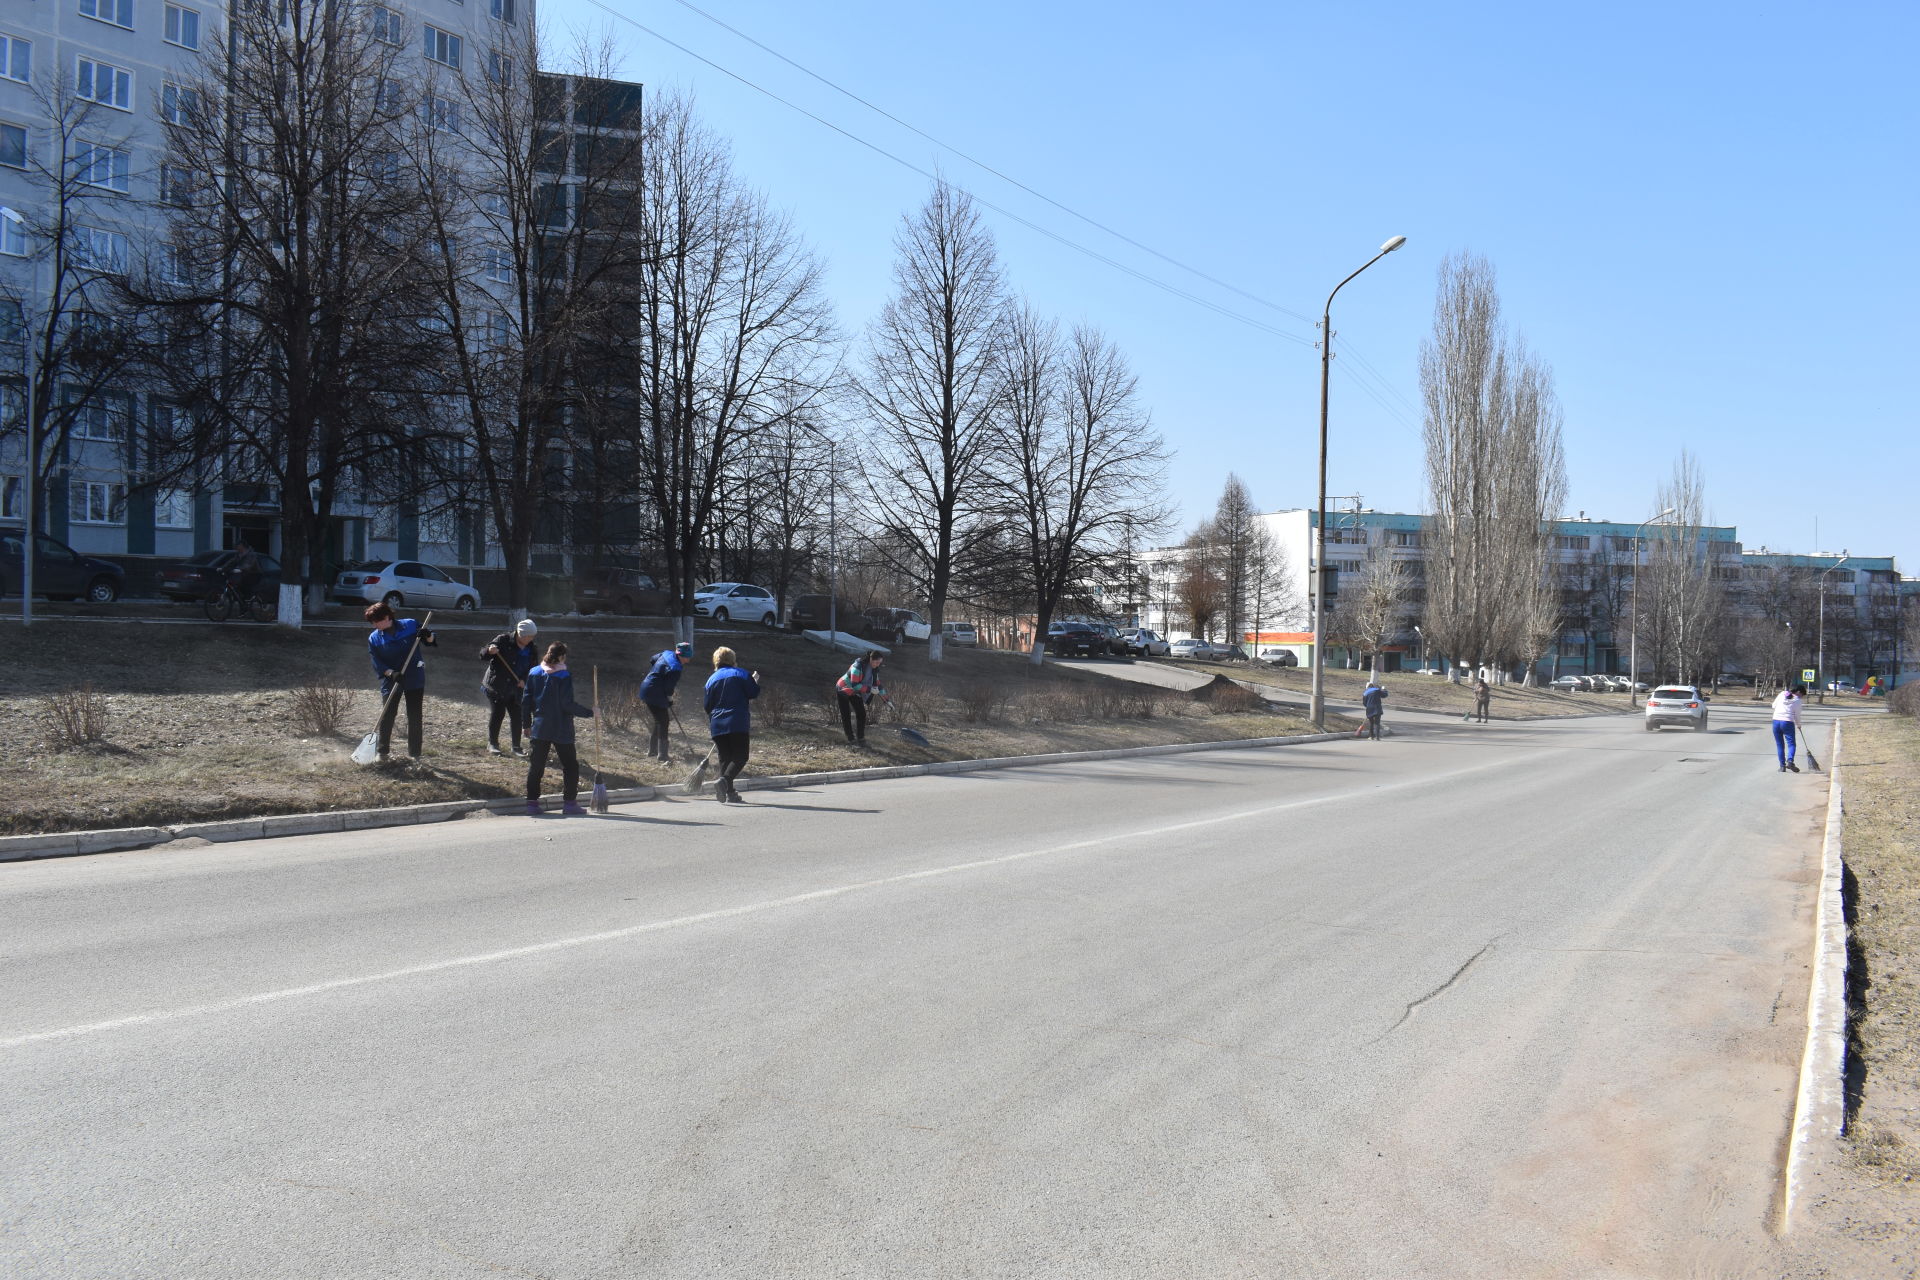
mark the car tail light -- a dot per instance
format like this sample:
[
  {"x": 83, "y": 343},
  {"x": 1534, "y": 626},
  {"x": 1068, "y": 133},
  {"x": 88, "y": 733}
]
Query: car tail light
[
  {"x": 367, "y": 582},
  {"x": 1692, "y": 706}
]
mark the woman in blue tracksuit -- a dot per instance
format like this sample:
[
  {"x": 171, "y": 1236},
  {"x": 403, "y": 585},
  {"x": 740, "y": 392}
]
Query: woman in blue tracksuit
[
  {"x": 656, "y": 692},
  {"x": 391, "y": 647},
  {"x": 730, "y": 690},
  {"x": 550, "y": 713}
]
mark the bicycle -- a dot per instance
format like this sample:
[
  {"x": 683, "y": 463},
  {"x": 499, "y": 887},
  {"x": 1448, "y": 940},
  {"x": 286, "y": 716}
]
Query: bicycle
[{"x": 226, "y": 603}]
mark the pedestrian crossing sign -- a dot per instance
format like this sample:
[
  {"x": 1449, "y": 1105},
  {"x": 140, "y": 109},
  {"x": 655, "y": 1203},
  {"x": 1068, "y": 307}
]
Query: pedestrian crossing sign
[{"x": 1808, "y": 675}]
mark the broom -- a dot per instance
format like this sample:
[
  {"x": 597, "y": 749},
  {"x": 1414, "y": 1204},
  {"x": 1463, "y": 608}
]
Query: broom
[
  {"x": 1806, "y": 749},
  {"x": 369, "y": 749},
  {"x": 599, "y": 802},
  {"x": 699, "y": 775}
]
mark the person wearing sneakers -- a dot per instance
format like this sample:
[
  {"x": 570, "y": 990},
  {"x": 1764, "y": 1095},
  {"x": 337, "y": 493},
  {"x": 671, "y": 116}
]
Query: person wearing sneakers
[
  {"x": 656, "y": 691},
  {"x": 1786, "y": 725},
  {"x": 550, "y": 713},
  {"x": 730, "y": 691},
  {"x": 855, "y": 691},
  {"x": 509, "y": 657}
]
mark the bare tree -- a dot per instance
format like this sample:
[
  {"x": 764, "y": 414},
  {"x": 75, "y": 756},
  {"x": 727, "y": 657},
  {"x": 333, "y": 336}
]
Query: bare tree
[
  {"x": 1200, "y": 588},
  {"x": 1682, "y": 606},
  {"x": 306, "y": 258},
  {"x": 729, "y": 331},
  {"x": 1234, "y": 529},
  {"x": 1495, "y": 471},
  {"x": 931, "y": 386},
  {"x": 1370, "y": 611},
  {"x": 1079, "y": 468}
]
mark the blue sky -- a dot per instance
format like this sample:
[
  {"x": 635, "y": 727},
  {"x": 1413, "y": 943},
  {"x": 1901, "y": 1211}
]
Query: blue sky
[{"x": 1700, "y": 215}]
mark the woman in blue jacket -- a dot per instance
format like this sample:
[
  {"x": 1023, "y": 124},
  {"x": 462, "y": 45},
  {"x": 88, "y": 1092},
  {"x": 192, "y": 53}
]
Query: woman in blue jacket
[
  {"x": 550, "y": 712},
  {"x": 730, "y": 690},
  {"x": 397, "y": 662},
  {"x": 656, "y": 692}
]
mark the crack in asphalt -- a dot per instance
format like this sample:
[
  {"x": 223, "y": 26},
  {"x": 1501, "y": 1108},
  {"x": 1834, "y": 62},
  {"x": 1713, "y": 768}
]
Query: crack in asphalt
[{"x": 1414, "y": 1005}]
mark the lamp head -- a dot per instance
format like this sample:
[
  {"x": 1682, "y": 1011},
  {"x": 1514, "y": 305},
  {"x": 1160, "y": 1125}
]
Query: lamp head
[{"x": 1393, "y": 244}]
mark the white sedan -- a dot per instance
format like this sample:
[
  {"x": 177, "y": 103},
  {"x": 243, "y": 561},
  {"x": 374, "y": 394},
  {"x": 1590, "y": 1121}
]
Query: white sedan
[
  {"x": 736, "y": 602},
  {"x": 402, "y": 582}
]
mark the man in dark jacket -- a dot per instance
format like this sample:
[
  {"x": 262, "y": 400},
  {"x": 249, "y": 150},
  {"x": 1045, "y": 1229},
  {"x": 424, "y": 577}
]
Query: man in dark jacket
[
  {"x": 507, "y": 659},
  {"x": 399, "y": 665},
  {"x": 656, "y": 691},
  {"x": 550, "y": 713},
  {"x": 1374, "y": 700}
]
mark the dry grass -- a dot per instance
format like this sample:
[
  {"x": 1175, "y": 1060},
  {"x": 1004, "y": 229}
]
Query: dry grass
[
  {"x": 1411, "y": 691},
  {"x": 1880, "y": 773},
  {"x": 201, "y": 717},
  {"x": 74, "y": 718}
]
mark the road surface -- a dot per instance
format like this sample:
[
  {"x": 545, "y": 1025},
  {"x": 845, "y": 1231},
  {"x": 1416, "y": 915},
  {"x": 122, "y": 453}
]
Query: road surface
[{"x": 1504, "y": 1000}]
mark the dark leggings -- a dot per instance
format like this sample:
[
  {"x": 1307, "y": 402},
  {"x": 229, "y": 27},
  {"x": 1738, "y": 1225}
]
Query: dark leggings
[
  {"x": 732, "y": 750},
  {"x": 853, "y": 710},
  {"x": 569, "y": 769},
  {"x": 503, "y": 709},
  {"x": 389, "y": 713},
  {"x": 657, "y": 735}
]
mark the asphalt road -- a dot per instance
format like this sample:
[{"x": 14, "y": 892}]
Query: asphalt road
[{"x": 1504, "y": 1000}]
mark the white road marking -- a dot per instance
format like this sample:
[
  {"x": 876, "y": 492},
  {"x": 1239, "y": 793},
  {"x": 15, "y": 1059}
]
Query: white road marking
[{"x": 704, "y": 917}]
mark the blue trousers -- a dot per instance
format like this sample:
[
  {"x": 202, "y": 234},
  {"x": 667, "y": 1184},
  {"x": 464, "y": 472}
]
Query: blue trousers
[{"x": 1783, "y": 742}]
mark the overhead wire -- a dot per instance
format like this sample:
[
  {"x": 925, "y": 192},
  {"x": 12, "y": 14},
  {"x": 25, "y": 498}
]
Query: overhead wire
[{"x": 1075, "y": 245}]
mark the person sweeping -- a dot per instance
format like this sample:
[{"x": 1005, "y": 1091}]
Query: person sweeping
[
  {"x": 1786, "y": 725},
  {"x": 509, "y": 658},
  {"x": 854, "y": 692},
  {"x": 656, "y": 693},
  {"x": 550, "y": 714},
  {"x": 389, "y": 646},
  {"x": 729, "y": 693}
]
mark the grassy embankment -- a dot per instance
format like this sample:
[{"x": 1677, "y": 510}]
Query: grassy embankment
[
  {"x": 1411, "y": 691},
  {"x": 201, "y": 721}
]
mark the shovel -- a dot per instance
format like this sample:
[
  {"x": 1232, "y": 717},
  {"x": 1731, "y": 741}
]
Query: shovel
[
  {"x": 369, "y": 749},
  {"x": 599, "y": 802}
]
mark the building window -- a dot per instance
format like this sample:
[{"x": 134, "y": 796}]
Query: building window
[
  {"x": 388, "y": 27},
  {"x": 443, "y": 47},
  {"x": 499, "y": 266},
  {"x": 1571, "y": 542},
  {"x": 11, "y": 497},
  {"x": 443, "y": 114},
  {"x": 1406, "y": 538},
  {"x": 102, "y": 417},
  {"x": 118, "y": 12},
  {"x": 98, "y": 249},
  {"x": 501, "y": 9},
  {"x": 172, "y": 509},
  {"x": 183, "y": 27},
  {"x": 13, "y": 234},
  {"x": 101, "y": 82},
  {"x": 16, "y": 59},
  {"x": 97, "y": 502},
  {"x": 99, "y": 166},
  {"x": 1620, "y": 544},
  {"x": 499, "y": 67},
  {"x": 13, "y": 145},
  {"x": 495, "y": 205},
  {"x": 387, "y": 96},
  {"x": 383, "y": 167},
  {"x": 498, "y": 327},
  {"x": 176, "y": 185},
  {"x": 178, "y": 105}
]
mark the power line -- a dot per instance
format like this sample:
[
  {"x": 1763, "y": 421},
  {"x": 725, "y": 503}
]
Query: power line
[
  {"x": 998, "y": 173},
  {"x": 1075, "y": 245}
]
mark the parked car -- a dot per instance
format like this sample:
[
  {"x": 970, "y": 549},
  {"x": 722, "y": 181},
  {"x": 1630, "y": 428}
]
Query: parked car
[
  {"x": 815, "y": 611},
  {"x": 1144, "y": 643},
  {"x": 1192, "y": 648},
  {"x": 1076, "y": 639},
  {"x": 959, "y": 633},
  {"x": 627, "y": 591},
  {"x": 897, "y": 625},
  {"x": 1842, "y": 685},
  {"x": 1276, "y": 657},
  {"x": 402, "y": 582},
  {"x": 1602, "y": 683},
  {"x": 59, "y": 572},
  {"x": 1116, "y": 643},
  {"x": 202, "y": 576},
  {"x": 736, "y": 602},
  {"x": 1734, "y": 680},
  {"x": 1680, "y": 704},
  {"x": 1570, "y": 684}
]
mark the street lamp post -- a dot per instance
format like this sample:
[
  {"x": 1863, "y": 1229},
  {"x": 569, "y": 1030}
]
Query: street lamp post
[
  {"x": 1633, "y": 626},
  {"x": 833, "y": 532},
  {"x": 1317, "y": 705},
  {"x": 1820, "y": 658}
]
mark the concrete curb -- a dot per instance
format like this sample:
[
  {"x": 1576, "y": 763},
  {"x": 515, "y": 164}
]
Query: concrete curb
[
  {"x": 66, "y": 844},
  {"x": 1819, "y": 1108}
]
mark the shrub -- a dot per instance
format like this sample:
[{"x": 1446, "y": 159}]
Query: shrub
[
  {"x": 74, "y": 718},
  {"x": 982, "y": 702},
  {"x": 319, "y": 707},
  {"x": 1233, "y": 700},
  {"x": 1905, "y": 699},
  {"x": 620, "y": 710},
  {"x": 773, "y": 705}
]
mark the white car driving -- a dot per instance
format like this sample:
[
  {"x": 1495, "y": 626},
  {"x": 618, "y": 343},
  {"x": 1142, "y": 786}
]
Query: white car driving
[{"x": 1677, "y": 704}]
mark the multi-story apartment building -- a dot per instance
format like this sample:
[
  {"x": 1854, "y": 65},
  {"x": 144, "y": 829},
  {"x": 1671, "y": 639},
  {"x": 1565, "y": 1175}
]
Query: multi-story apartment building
[{"x": 88, "y": 90}]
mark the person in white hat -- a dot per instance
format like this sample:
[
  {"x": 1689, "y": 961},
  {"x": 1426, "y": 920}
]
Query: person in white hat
[{"x": 509, "y": 656}]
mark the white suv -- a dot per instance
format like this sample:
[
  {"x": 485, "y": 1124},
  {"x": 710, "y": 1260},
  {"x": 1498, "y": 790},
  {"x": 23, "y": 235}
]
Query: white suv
[{"x": 1680, "y": 704}]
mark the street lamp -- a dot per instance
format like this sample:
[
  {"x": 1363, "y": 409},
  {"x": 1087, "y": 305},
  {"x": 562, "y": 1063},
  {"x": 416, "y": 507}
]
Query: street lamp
[
  {"x": 1317, "y": 704},
  {"x": 1633, "y": 628},
  {"x": 833, "y": 531},
  {"x": 1820, "y": 660}
]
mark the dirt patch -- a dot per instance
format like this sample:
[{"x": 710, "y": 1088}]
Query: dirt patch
[
  {"x": 201, "y": 722},
  {"x": 1410, "y": 691},
  {"x": 1864, "y": 1220}
]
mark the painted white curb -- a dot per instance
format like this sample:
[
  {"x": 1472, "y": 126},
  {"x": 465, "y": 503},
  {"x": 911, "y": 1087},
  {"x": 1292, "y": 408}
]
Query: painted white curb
[
  {"x": 1820, "y": 1107},
  {"x": 68, "y": 843}
]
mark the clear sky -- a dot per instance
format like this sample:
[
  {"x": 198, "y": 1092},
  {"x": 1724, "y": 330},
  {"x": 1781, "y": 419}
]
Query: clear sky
[{"x": 1699, "y": 212}]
